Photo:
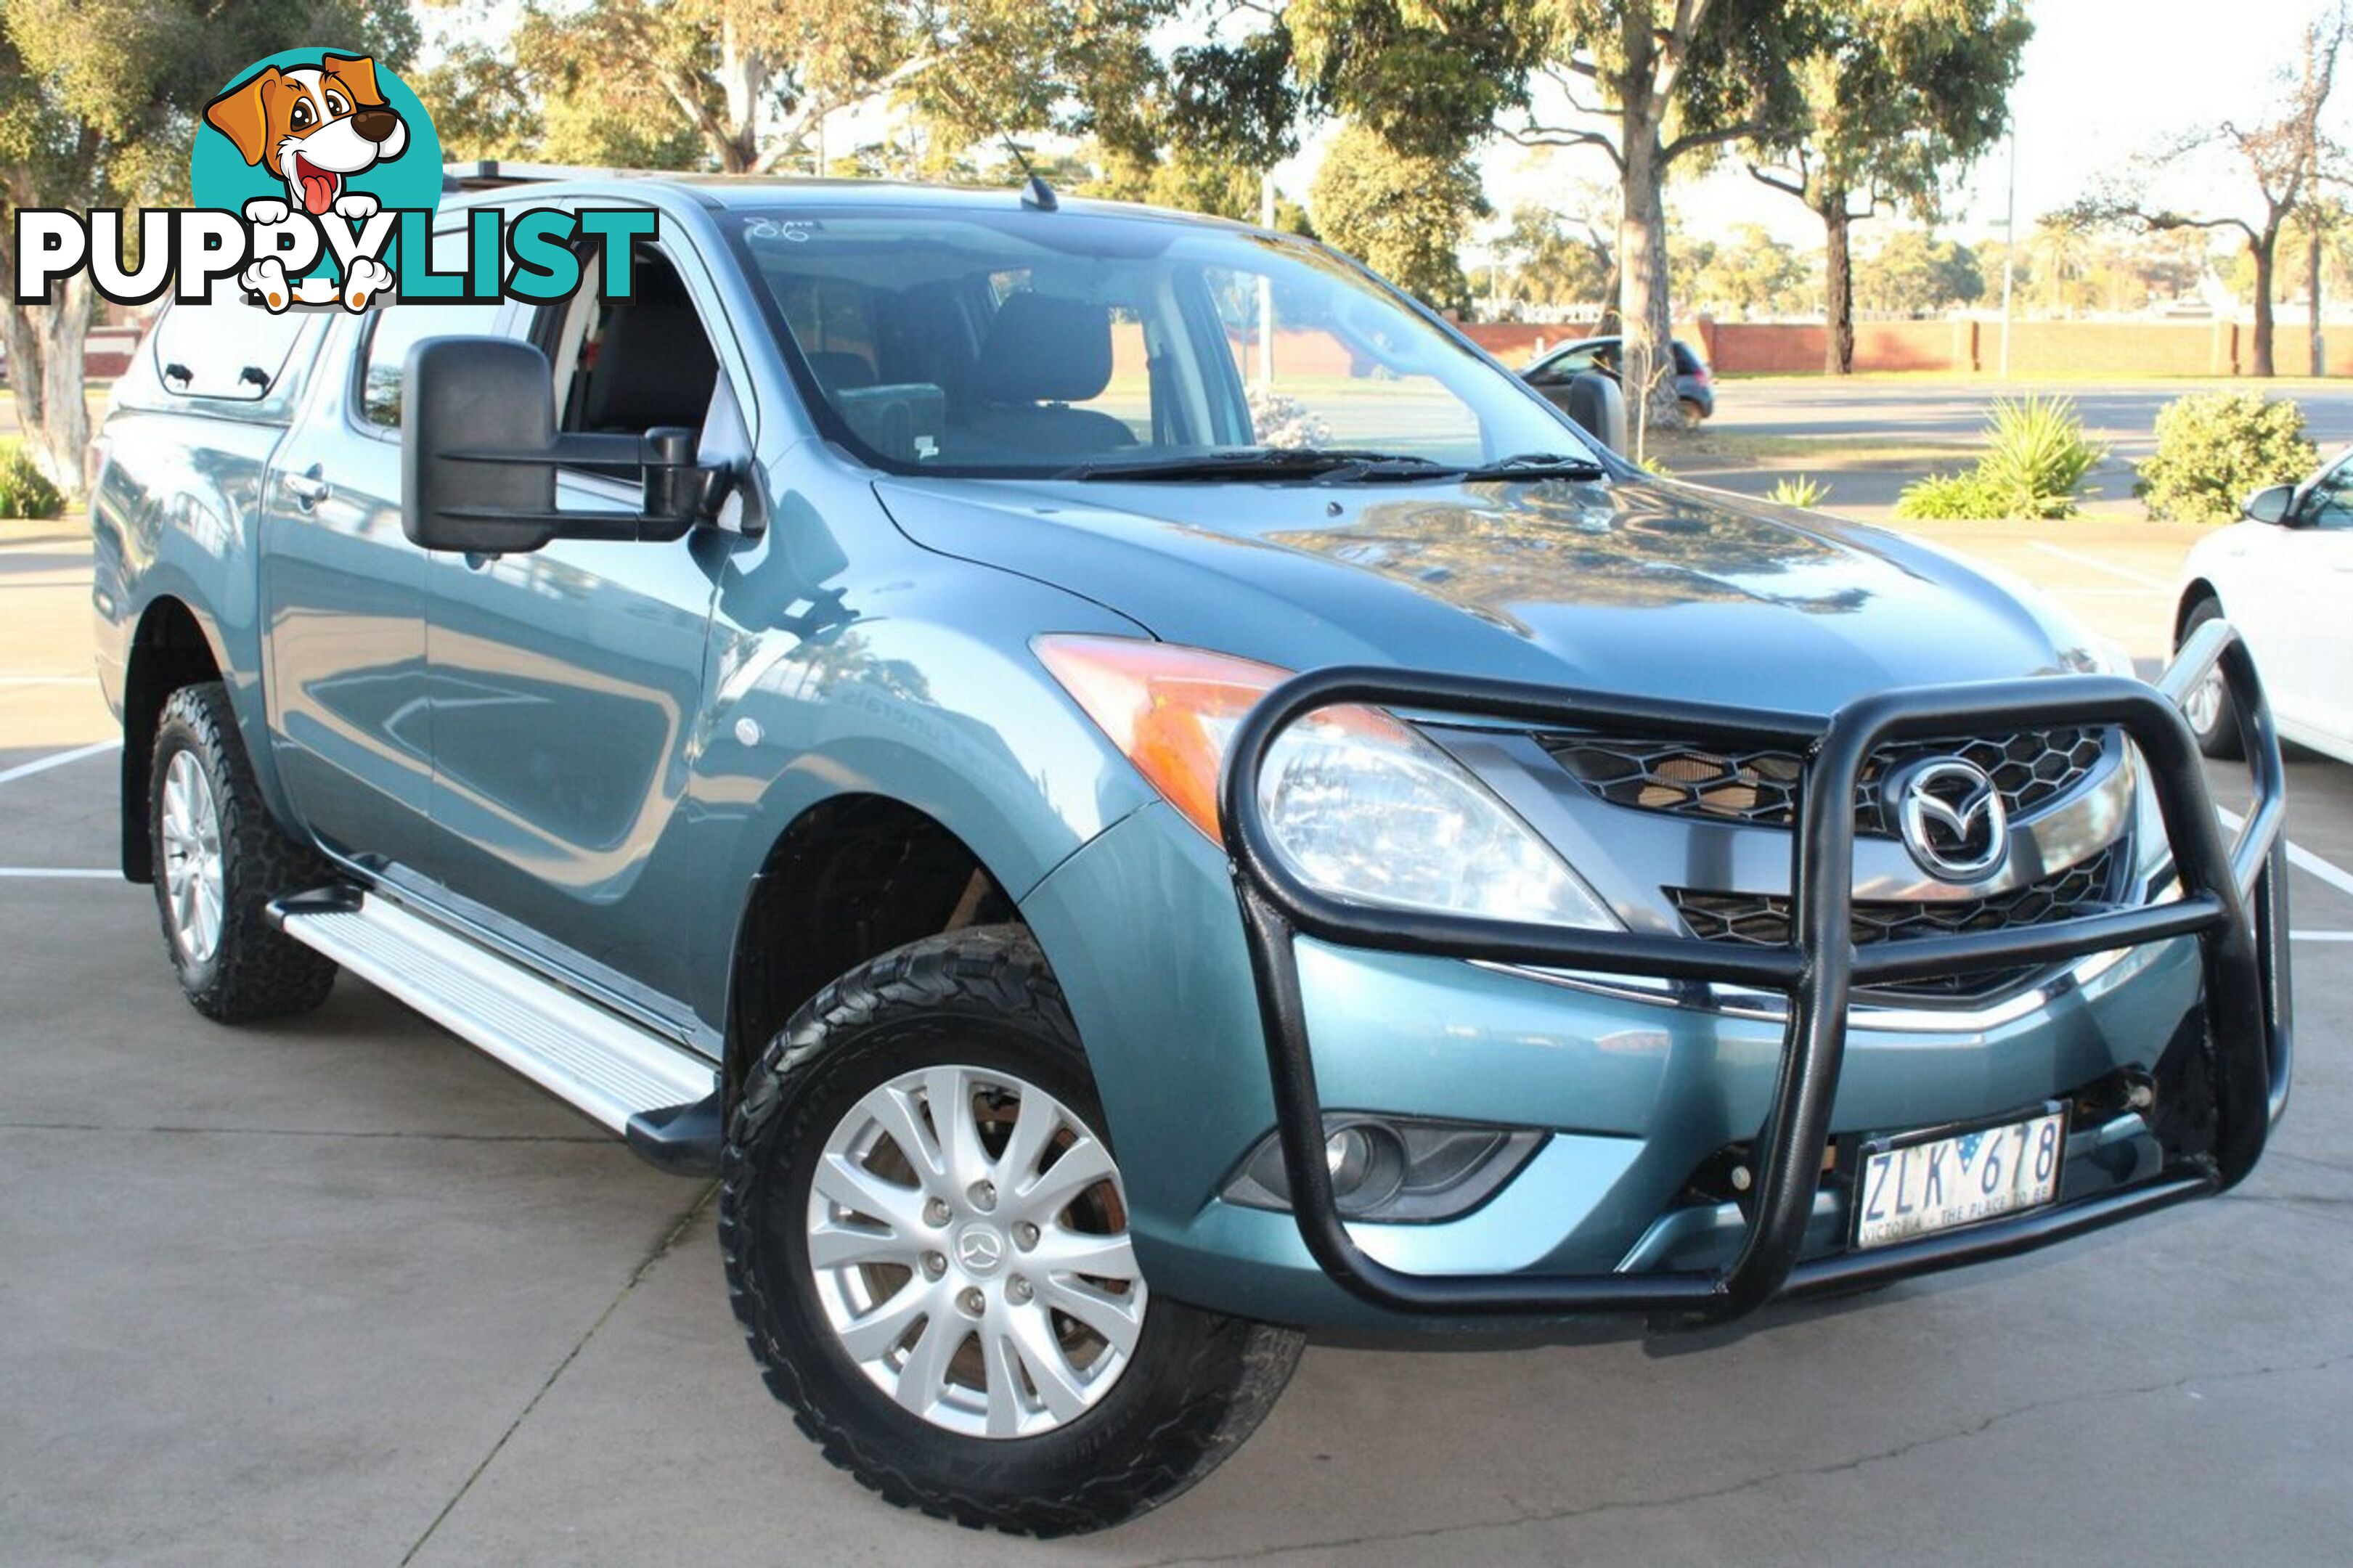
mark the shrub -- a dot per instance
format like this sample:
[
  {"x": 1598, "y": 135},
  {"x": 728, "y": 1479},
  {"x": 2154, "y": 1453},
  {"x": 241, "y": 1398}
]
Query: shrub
[
  {"x": 1283, "y": 421},
  {"x": 24, "y": 491},
  {"x": 1944, "y": 496},
  {"x": 1800, "y": 491},
  {"x": 2036, "y": 456},
  {"x": 2035, "y": 459},
  {"x": 2215, "y": 447}
]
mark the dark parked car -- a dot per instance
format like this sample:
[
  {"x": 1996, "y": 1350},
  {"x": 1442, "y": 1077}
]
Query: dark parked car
[{"x": 1694, "y": 386}]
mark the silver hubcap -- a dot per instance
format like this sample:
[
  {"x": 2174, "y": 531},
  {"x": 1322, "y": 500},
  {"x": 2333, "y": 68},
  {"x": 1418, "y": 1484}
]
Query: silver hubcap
[
  {"x": 193, "y": 879},
  {"x": 2203, "y": 705},
  {"x": 969, "y": 1238}
]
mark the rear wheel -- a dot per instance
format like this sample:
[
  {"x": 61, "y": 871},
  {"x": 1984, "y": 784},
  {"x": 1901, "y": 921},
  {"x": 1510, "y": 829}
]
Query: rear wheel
[
  {"x": 1694, "y": 410},
  {"x": 220, "y": 859},
  {"x": 927, "y": 1241},
  {"x": 2213, "y": 718}
]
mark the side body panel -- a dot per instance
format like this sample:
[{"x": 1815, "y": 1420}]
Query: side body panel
[
  {"x": 343, "y": 592},
  {"x": 846, "y": 661},
  {"x": 177, "y": 514}
]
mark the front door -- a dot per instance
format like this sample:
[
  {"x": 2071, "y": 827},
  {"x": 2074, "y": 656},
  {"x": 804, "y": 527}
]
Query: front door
[
  {"x": 567, "y": 682},
  {"x": 343, "y": 597}
]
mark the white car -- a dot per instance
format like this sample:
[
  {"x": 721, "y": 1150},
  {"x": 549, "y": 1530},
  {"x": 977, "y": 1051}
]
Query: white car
[{"x": 2284, "y": 576}]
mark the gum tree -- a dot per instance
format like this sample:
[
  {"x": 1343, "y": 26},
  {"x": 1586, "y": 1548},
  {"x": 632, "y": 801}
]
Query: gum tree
[
  {"x": 742, "y": 85},
  {"x": 1652, "y": 85},
  {"x": 98, "y": 102},
  {"x": 2286, "y": 158},
  {"x": 1897, "y": 97}
]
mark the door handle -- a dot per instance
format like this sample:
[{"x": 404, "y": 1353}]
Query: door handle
[{"x": 307, "y": 488}]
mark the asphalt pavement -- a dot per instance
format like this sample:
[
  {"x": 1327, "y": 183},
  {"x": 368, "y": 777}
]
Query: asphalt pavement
[{"x": 341, "y": 1290}]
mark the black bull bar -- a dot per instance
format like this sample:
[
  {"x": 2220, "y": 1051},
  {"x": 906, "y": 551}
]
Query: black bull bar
[{"x": 2232, "y": 900}]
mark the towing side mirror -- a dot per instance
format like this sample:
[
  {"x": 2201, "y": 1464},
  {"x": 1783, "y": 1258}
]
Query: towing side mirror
[
  {"x": 1599, "y": 406},
  {"x": 479, "y": 451},
  {"x": 2271, "y": 504}
]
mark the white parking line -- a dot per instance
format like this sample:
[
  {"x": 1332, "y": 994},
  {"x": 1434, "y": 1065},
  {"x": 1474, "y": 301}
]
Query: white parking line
[
  {"x": 37, "y": 872},
  {"x": 2096, "y": 564},
  {"x": 2321, "y": 935},
  {"x": 2299, "y": 856},
  {"x": 43, "y": 765},
  {"x": 48, "y": 680}
]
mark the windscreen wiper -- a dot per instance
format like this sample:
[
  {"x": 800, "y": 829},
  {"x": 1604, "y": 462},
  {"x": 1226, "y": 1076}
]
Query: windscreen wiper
[
  {"x": 1538, "y": 466},
  {"x": 1347, "y": 463}
]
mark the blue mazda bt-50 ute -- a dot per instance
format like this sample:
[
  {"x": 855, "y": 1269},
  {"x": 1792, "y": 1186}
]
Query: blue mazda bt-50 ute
[{"x": 1133, "y": 798}]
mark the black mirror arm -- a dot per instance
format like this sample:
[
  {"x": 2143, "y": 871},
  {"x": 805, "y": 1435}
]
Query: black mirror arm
[{"x": 676, "y": 490}]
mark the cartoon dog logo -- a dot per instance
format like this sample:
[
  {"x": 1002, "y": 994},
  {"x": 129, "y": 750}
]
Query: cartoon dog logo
[{"x": 314, "y": 127}]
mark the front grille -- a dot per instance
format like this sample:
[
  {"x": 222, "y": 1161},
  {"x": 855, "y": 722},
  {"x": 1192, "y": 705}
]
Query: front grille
[
  {"x": 1759, "y": 787},
  {"x": 1762, "y": 919}
]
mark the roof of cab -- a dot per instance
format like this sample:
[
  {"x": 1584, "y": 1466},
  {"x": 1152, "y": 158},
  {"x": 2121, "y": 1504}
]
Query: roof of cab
[{"x": 490, "y": 179}]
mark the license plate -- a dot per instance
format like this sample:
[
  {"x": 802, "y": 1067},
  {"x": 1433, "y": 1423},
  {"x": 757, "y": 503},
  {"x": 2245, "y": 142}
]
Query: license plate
[{"x": 1918, "y": 1183}]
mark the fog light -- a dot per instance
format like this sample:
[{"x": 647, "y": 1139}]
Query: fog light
[
  {"x": 1348, "y": 1159},
  {"x": 1394, "y": 1169}
]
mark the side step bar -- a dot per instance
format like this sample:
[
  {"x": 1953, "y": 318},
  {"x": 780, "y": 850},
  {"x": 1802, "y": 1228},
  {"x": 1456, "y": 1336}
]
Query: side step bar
[{"x": 664, "y": 1099}]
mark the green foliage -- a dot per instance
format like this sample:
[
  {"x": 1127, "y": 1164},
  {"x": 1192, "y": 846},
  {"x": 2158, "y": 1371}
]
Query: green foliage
[
  {"x": 1895, "y": 98},
  {"x": 1798, "y": 491},
  {"x": 1547, "y": 257},
  {"x": 1915, "y": 274},
  {"x": 1402, "y": 213},
  {"x": 1180, "y": 178},
  {"x": 2036, "y": 456},
  {"x": 24, "y": 491},
  {"x": 1751, "y": 274},
  {"x": 1943, "y": 496},
  {"x": 2033, "y": 465},
  {"x": 2215, "y": 447}
]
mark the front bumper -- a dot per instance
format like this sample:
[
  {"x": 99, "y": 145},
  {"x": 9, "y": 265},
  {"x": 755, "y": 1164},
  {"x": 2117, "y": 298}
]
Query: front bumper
[{"x": 2227, "y": 926}]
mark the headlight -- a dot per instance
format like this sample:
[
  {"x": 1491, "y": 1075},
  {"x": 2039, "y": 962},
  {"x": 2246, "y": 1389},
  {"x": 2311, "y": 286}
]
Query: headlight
[{"x": 1357, "y": 805}]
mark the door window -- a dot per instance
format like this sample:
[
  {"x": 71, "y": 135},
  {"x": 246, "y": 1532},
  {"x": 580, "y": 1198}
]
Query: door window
[
  {"x": 224, "y": 347},
  {"x": 384, "y": 364},
  {"x": 628, "y": 366},
  {"x": 2329, "y": 503}
]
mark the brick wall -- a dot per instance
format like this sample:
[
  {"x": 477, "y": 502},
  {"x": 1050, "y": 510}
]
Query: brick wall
[{"x": 1966, "y": 347}]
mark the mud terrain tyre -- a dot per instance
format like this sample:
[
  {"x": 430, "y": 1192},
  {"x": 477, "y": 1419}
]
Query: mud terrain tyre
[
  {"x": 220, "y": 859},
  {"x": 901, "y": 1080}
]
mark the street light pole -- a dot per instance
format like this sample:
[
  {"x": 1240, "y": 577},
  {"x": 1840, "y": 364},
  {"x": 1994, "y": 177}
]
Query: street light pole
[
  {"x": 1266, "y": 287},
  {"x": 2009, "y": 249}
]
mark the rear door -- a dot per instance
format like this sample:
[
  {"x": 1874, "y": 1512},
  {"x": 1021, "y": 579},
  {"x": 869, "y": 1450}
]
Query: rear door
[
  {"x": 568, "y": 683},
  {"x": 343, "y": 594}
]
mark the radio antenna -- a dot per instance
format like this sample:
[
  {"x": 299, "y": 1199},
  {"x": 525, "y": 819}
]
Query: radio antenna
[{"x": 1039, "y": 195}]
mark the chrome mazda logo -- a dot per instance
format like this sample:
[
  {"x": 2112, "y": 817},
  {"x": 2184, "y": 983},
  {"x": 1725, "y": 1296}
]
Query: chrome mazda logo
[
  {"x": 980, "y": 1250},
  {"x": 1951, "y": 817}
]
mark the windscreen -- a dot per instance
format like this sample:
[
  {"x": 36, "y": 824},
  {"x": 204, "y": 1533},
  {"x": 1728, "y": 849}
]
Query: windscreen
[{"x": 1039, "y": 342}]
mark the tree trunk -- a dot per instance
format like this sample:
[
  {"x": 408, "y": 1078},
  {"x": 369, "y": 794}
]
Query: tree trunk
[
  {"x": 1649, "y": 366},
  {"x": 59, "y": 428},
  {"x": 2312, "y": 282},
  {"x": 743, "y": 76},
  {"x": 1838, "y": 285},
  {"x": 2262, "y": 250},
  {"x": 24, "y": 360}
]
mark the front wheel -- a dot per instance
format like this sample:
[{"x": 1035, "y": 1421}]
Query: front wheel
[
  {"x": 927, "y": 1242},
  {"x": 2213, "y": 718}
]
